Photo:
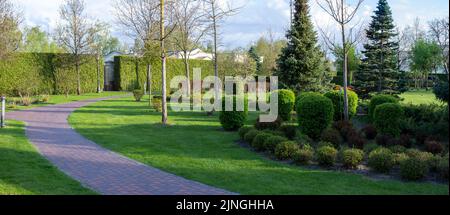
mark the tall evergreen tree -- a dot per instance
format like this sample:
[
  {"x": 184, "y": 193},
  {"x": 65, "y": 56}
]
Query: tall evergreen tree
[
  {"x": 379, "y": 72},
  {"x": 301, "y": 64}
]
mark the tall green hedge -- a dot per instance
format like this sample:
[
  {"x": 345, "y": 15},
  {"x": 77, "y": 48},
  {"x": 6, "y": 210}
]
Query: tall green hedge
[
  {"x": 125, "y": 71},
  {"x": 47, "y": 73}
]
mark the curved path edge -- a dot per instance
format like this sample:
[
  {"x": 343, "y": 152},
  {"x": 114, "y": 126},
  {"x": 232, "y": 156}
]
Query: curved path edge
[{"x": 95, "y": 167}]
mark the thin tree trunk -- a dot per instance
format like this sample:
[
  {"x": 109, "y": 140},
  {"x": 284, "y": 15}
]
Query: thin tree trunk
[
  {"x": 77, "y": 68},
  {"x": 216, "y": 68},
  {"x": 187, "y": 70},
  {"x": 344, "y": 48},
  {"x": 149, "y": 83},
  {"x": 163, "y": 70},
  {"x": 98, "y": 74}
]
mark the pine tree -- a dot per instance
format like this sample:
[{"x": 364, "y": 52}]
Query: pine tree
[
  {"x": 252, "y": 53},
  {"x": 301, "y": 64},
  {"x": 379, "y": 72}
]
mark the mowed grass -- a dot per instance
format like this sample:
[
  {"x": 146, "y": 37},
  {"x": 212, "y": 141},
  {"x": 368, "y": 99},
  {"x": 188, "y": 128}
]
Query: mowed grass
[
  {"x": 195, "y": 147},
  {"x": 419, "y": 97},
  {"x": 23, "y": 171},
  {"x": 61, "y": 99}
]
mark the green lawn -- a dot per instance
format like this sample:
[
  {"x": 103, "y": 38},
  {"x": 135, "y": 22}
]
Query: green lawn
[
  {"x": 61, "y": 99},
  {"x": 420, "y": 97},
  {"x": 195, "y": 147},
  {"x": 23, "y": 171}
]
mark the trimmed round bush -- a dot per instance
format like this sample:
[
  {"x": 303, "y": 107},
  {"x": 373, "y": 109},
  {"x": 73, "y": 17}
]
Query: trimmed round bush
[
  {"x": 381, "y": 160},
  {"x": 315, "y": 114},
  {"x": 337, "y": 97},
  {"x": 272, "y": 142},
  {"x": 233, "y": 120},
  {"x": 259, "y": 140},
  {"x": 326, "y": 155},
  {"x": 286, "y": 103},
  {"x": 413, "y": 169},
  {"x": 286, "y": 150},
  {"x": 250, "y": 136},
  {"x": 332, "y": 136},
  {"x": 290, "y": 131},
  {"x": 351, "y": 158},
  {"x": 355, "y": 140},
  {"x": 138, "y": 94},
  {"x": 243, "y": 131},
  {"x": 379, "y": 100},
  {"x": 387, "y": 118},
  {"x": 304, "y": 156}
]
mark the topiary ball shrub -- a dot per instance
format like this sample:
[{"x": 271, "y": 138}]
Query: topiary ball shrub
[
  {"x": 381, "y": 160},
  {"x": 434, "y": 147},
  {"x": 272, "y": 142},
  {"x": 332, "y": 136},
  {"x": 326, "y": 156},
  {"x": 379, "y": 100},
  {"x": 268, "y": 125},
  {"x": 315, "y": 114},
  {"x": 286, "y": 150},
  {"x": 233, "y": 120},
  {"x": 259, "y": 140},
  {"x": 286, "y": 103},
  {"x": 370, "y": 132},
  {"x": 243, "y": 131},
  {"x": 290, "y": 131},
  {"x": 337, "y": 97},
  {"x": 387, "y": 118},
  {"x": 250, "y": 136},
  {"x": 413, "y": 169},
  {"x": 138, "y": 94},
  {"x": 304, "y": 156},
  {"x": 352, "y": 158}
]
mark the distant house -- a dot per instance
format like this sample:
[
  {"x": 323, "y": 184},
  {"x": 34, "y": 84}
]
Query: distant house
[
  {"x": 109, "y": 70},
  {"x": 196, "y": 54}
]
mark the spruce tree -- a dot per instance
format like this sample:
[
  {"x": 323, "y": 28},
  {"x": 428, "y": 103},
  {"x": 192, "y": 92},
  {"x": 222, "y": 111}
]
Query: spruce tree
[
  {"x": 301, "y": 64},
  {"x": 379, "y": 72}
]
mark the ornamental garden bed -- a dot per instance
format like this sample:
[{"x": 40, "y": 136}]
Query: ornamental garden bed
[{"x": 394, "y": 141}]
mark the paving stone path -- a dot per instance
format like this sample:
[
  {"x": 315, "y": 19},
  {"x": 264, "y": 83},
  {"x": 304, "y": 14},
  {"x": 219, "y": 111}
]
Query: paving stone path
[{"x": 95, "y": 167}]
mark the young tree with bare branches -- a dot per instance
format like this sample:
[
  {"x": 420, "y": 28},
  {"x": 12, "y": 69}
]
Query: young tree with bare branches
[
  {"x": 9, "y": 28},
  {"x": 216, "y": 14},
  {"x": 343, "y": 14},
  {"x": 75, "y": 32},
  {"x": 439, "y": 32},
  {"x": 191, "y": 29}
]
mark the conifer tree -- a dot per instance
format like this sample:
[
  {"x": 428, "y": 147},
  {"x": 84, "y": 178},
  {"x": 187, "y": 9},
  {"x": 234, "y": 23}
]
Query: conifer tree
[
  {"x": 379, "y": 72},
  {"x": 301, "y": 64}
]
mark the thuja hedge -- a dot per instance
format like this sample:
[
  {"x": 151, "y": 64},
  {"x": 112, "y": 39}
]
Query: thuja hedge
[
  {"x": 125, "y": 71},
  {"x": 47, "y": 73}
]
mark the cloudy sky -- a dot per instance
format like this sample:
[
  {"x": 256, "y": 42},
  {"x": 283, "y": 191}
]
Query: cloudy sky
[{"x": 256, "y": 18}]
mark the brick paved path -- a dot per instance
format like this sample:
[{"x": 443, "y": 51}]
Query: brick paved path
[{"x": 97, "y": 168}]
